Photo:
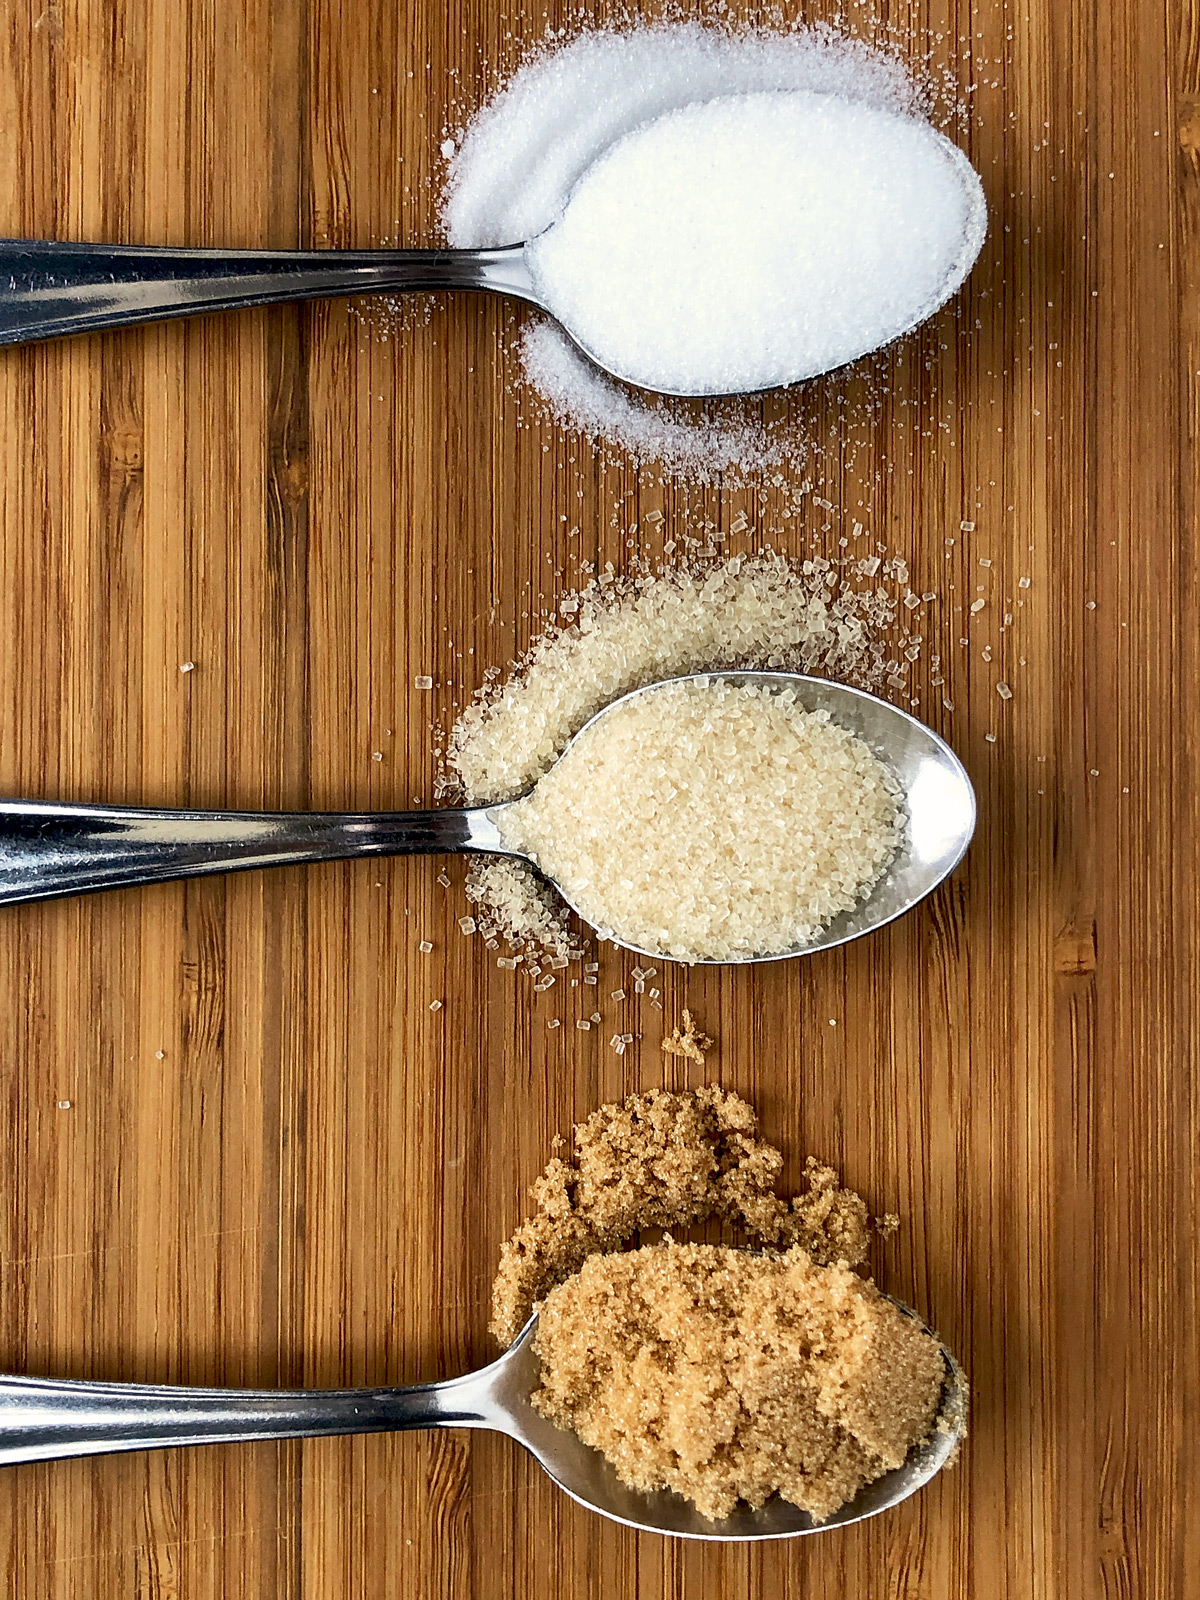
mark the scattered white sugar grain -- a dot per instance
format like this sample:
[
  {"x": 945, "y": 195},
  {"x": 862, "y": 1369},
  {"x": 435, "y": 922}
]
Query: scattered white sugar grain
[
  {"x": 990, "y": 738},
  {"x": 435, "y": 1005},
  {"x": 65, "y": 1105},
  {"x": 467, "y": 924},
  {"x": 755, "y": 240},
  {"x": 1004, "y": 691},
  {"x": 637, "y": 629},
  {"x": 448, "y": 148},
  {"x": 966, "y": 527},
  {"x": 160, "y": 1055},
  {"x": 423, "y": 683},
  {"x": 712, "y": 821},
  {"x": 424, "y": 947},
  {"x": 596, "y": 1016},
  {"x": 591, "y": 979},
  {"x": 591, "y": 966},
  {"x": 545, "y": 983},
  {"x": 1023, "y": 583},
  {"x": 639, "y": 986},
  {"x": 444, "y": 879},
  {"x": 376, "y": 755},
  {"x": 985, "y": 561},
  {"x": 583, "y": 1025},
  {"x": 978, "y": 605},
  {"x": 187, "y": 666},
  {"x": 507, "y": 963},
  {"x": 617, "y": 994},
  {"x": 554, "y": 1022}
]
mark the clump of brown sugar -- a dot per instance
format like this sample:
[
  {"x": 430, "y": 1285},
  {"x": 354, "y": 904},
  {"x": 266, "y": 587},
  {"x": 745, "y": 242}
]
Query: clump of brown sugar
[
  {"x": 687, "y": 1041},
  {"x": 727, "y": 1376},
  {"x": 667, "y": 1160}
]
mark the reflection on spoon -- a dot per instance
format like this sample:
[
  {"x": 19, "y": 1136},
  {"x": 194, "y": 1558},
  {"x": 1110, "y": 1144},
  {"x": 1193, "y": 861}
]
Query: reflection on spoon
[{"x": 47, "y": 1419}]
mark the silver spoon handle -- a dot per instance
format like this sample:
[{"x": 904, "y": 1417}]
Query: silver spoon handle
[
  {"x": 48, "y": 849},
  {"x": 48, "y": 1418},
  {"x": 48, "y": 289}
]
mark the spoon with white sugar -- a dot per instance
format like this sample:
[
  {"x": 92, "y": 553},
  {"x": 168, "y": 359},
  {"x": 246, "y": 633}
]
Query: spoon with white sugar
[
  {"x": 740, "y": 244},
  {"x": 746, "y": 797},
  {"x": 47, "y": 1419}
]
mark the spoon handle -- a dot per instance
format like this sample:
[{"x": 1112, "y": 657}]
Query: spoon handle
[
  {"x": 48, "y": 849},
  {"x": 48, "y": 289},
  {"x": 45, "y": 1419}
]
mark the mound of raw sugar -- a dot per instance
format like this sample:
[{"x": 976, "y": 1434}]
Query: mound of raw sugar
[
  {"x": 729, "y": 1377},
  {"x": 754, "y": 240},
  {"x": 710, "y": 820}
]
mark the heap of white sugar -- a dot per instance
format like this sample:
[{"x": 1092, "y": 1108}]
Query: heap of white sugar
[
  {"x": 755, "y": 240},
  {"x": 625, "y": 632},
  {"x": 711, "y": 821},
  {"x": 576, "y": 394},
  {"x": 518, "y": 159}
]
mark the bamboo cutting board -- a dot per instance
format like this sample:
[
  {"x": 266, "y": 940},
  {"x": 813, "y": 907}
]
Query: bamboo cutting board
[{"x": 239, "y": 1147}]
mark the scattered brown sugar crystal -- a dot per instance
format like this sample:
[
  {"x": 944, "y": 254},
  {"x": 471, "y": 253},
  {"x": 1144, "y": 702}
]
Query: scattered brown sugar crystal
[
  {"x": 687, "y": 1041},
  {"x": 730, "y": 1377},
  {"x": 667, "y": 1160}
]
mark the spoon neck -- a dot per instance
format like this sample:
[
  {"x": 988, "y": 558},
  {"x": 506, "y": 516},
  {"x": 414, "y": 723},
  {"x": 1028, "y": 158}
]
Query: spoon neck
[
  {"x": 54, "y": 288},
  {"x": 50, "y": 848},
  {"x": 48, "y": 1419}
]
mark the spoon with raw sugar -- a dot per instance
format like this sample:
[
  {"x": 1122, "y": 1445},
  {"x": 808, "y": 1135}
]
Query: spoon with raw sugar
[
  {"x": 46, "y": 1419},
  {"x": 49, "y": 849},
  {"x": 741, "y": 244}
]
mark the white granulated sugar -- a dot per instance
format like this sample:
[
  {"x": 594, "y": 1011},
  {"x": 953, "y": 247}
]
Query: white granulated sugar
[
  {"x": 636, "y": 629},
  {"x": 521, "y": 155},
  {"x": 755, "y": 240},
  {"x": 711, "y": 821}
]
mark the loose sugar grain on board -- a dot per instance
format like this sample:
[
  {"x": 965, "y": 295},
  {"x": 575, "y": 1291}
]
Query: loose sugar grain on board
[
  {"x": 711, "y": 821},
  {"x": 625, "y": 631},
  {"x": 728, "y": 1377},
  {"x": 667, "y": 1160}
]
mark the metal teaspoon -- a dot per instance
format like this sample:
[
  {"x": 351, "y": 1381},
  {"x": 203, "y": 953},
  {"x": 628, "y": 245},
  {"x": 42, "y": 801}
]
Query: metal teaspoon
[
  {"x": 49, "y": 1419},
  {"x": 49, "y": 849}
]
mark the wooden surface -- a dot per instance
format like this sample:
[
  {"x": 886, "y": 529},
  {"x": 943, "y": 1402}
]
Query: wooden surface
[{"x": 277, "y": 1165}]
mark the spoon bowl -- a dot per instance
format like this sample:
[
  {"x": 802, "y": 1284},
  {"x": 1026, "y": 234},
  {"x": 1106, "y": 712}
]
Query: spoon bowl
[
  {"x": 50, "y": 1419},
  {"x": 937, "y": 796}
]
